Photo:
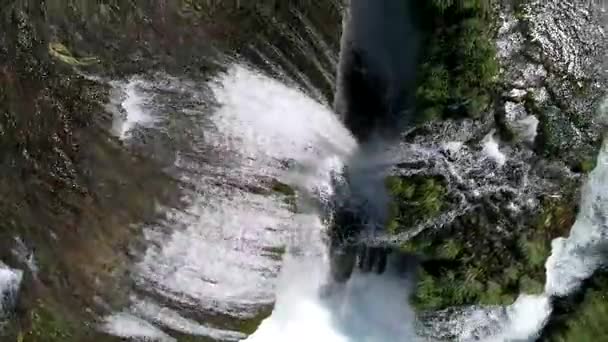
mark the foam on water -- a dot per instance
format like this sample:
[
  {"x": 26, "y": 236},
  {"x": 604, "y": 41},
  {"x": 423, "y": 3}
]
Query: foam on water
[
  {"x": 218, "y": 258},
  {"x": 127, "y": 103}
]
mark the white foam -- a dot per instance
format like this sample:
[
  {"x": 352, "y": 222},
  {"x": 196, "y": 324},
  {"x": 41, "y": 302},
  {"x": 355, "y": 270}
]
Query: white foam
[
  {"x": 131, "y": 112},
  {"x": 217, "y": 259},
  {"x": 491, "y": 149},
  {"x": 262, "y": 118},
  {"x": 520, "y": 321},
  {"x": 453, "y": 147},
  {"x": 173, "y": 320},
  {"x": 525, "y": 319},
  {"x": 529, "y": 128},
  {"x": 128, "y": 326}
]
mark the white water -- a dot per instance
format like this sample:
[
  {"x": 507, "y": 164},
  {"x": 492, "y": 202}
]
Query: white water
[
  {"x": 216, "y": 255},
  {"x": 129, "y": 326},
  {"x": 127, "y": 103},
  {"x": 10, "y": 281},
  {"x": 491, "y": 149},
  {"x": 369, "y": 308},
  {"x": 520, "y": 321},
  {"x": 575, "y": 258}
]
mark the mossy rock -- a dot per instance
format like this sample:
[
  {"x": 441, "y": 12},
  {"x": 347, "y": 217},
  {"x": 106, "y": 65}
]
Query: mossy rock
[{"x": 566, "y": 136}]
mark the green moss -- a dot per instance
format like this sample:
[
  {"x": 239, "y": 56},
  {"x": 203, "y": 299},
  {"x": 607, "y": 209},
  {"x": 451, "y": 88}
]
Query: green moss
[
  {"x": 535, "y": 249},
  {"x": 589, "y": 323},
  {"x": 62, "y": 53},
  {"x": 459, "y": 66},
  {"x": 282, "y": 188},
  {"x": 249, "y": 326},
  {"x": 415, "y": 199},
  {"x": 587, "y": 165},
  {"x": 451, "y": 249},
  {"x": 48, "y": 325},
  {"x": 495, "y": 293},
  {"x": 530, "y": 286},
  {"x": 434, "y": 293}
]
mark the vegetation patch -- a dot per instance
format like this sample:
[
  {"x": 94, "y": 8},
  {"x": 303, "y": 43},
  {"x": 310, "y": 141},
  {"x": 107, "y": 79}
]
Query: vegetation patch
[
  {"x": 458, "y": 67},
  {"x": 581, "y": 317},
  {"x": 415, "y": 200},
  {"x": 467, "y": 264},
  {"x": 589, "y": 323},
  {"x": 48, "y": 324}
]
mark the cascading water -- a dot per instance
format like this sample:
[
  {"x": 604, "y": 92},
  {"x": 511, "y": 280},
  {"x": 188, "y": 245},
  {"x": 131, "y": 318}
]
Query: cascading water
[
  {"x": 10, "y": 281},
  {"x": 234, "y": 225},
  {"x": 220, "y": 255},
  {"x": 239, "y": 246},
  {"x": 577, "y": 257},
  {"x": 368, "y": 307}
]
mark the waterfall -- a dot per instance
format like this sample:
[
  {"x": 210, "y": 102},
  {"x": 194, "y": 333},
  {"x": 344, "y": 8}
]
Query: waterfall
[
  {"x": 575, "y": 258},
  {"x": 10, "y": 281},
  {"x": 239, "y": 247},
  {"x": 218, "y": 258},
  {"x": 368, "y": 308}
]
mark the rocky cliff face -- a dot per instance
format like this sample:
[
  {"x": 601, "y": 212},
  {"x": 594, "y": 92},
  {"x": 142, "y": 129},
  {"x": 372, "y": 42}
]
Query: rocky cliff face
[{"x": 69, "y": 189}]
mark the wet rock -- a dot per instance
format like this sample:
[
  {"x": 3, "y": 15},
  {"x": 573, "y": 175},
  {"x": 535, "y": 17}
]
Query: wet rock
[{"x": 569, "y": 35}]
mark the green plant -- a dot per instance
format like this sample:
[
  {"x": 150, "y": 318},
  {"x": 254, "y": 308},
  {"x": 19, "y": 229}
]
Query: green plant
[
  {"x": 459, "y": 68},
  {"x": 589, "y": 321},
  {"x": 464, "y": 265},
  {"x": 415, "y": 199},
  {"x": 48, "y": 325}
]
